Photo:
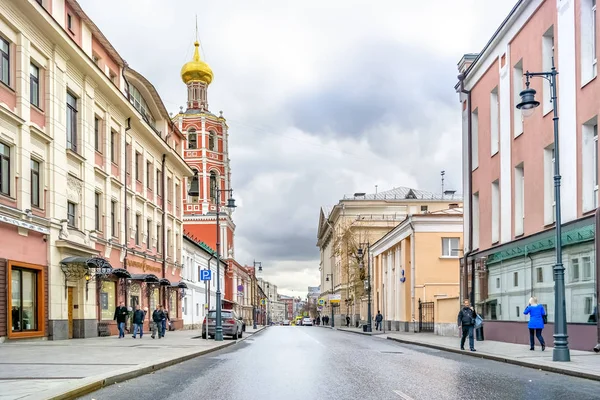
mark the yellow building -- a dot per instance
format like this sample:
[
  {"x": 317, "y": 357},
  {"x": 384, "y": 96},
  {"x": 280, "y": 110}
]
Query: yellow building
[{"x": 415, "y": 273}]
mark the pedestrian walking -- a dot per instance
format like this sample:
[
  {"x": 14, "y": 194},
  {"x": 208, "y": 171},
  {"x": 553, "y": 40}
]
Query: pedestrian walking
[
  {"x": 166, "y": 321},
  {"x": 537, "y": 317},
  {"x": 121, "y": 317},
  {"x": 347, "y": 321},
  {"x": 466, "y": 320},
  {"x": 138, "y": 321},
  {"x": 378, "y": 320},
  {"x": 157, "y": 317}
]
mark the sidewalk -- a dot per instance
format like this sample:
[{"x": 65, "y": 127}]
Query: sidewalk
[
  {"x": 583, "y": 364},
  {"x": 70, "y": 368}
]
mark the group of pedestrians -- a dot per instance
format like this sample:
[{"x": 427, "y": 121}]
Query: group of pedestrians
[
  {"x": 158, "y": 323},
  {"x": 467, "y": 320}
]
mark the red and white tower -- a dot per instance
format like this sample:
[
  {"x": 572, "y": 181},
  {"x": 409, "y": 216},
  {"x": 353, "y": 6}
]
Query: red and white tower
[{"x": 207, "y": 153}]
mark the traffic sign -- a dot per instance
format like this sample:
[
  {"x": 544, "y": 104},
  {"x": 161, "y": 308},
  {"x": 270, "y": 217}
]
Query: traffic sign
[{"x": 205, "y": 274}]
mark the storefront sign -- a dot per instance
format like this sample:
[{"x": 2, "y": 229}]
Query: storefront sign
[
  {"x": 335, "y": 298},
  {"x": 24, "y": 224},
  {"x": 144, "y": 266}
]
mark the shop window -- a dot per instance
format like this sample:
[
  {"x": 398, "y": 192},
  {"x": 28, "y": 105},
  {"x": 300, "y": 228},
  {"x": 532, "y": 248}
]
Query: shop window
[
  {"x": 108, "y": 300},
  {"x": 173, "y": 305},
  {"x": 154, "y": 300},
  {"x": 24, "y": 300}
]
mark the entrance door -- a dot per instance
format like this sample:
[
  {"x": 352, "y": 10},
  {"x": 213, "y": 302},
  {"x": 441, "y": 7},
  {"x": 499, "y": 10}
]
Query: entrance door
[{"x": 70, "y": 310}]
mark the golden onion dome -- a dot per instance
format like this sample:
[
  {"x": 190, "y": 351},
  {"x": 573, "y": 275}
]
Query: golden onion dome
[{"x": 196, "y": 70}]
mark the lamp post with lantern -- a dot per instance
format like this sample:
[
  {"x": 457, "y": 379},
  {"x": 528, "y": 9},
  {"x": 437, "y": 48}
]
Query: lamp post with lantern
[
  {"x": 367, "y": 281},
  {"x": 330, "y": 303}
]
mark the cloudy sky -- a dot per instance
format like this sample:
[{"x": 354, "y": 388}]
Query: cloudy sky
[{"x": 323, "y": 98}]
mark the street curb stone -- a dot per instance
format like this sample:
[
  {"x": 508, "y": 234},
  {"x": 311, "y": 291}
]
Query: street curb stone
[
  {"x": 99, "y": 383},
  {"x": 492, "y": 357}
]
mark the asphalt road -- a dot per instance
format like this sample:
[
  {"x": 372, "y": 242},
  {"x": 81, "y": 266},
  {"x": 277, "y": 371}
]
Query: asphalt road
[{"x": 312, "y": 363}]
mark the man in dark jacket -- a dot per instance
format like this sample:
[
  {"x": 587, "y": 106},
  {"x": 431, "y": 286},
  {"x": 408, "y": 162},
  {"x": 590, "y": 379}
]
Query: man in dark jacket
[
  {"x": 157, "y": 317},
  {"x": 466, "y": 320},
  {"x": 121, "y": 318},
  {"x": 378, "y": 320},
  {"x": 138, "y": 321}
]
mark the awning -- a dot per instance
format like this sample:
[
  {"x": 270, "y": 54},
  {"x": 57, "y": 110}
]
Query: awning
[
  {"x": 90, "y": 263},
  {"x": 149, "y": 278},
  {"x": 121, "y": 273},
  {"x": 165, "y": 282},
  {"x": 179, "y": 285}
]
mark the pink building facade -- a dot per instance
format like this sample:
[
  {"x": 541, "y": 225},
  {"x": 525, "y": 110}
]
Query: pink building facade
[{"x": 508, "y": 170}]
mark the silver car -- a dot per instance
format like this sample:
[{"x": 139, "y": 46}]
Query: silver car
[{"x": 232, "y": 324}]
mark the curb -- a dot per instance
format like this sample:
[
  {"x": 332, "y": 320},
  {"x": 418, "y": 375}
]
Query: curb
[
  {"x": 547, "y": 368},
  {"x": 100, "y": 383},
  {"x": 359, "y": 332}
]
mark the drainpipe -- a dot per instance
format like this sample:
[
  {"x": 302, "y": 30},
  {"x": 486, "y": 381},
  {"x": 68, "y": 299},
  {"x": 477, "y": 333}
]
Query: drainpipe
[
  {"x": 412, "y": 273},
  {"x": 164, "y": 222},
  {"x": 461, "y": 78},
  {"x": 126, "y": 219},
  {"x": 597, "y": 240},
  {"x": 531, "y": 269}
]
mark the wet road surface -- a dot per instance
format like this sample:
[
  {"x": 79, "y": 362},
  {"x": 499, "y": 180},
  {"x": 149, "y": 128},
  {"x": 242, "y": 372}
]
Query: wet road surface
[{"x": 312, "y": 363}]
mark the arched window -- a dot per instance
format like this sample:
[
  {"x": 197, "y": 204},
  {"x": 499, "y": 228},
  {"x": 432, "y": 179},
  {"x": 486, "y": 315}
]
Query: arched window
[
  {"x": 213, "y": 186},
  {"x": 212, "y": 141},
  {"x": 192, "y": 139}
]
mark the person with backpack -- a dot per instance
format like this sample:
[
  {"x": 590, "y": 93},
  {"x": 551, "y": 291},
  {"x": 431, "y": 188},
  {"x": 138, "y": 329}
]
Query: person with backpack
[
  {"x": 466, "y": 320},
  {"x": 537, "y": 317}
]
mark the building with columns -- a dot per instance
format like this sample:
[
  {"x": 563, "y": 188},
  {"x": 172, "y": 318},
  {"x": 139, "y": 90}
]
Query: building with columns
[
  {"x": 508, "y": 170},
  {"x": 91, "y": 169}
]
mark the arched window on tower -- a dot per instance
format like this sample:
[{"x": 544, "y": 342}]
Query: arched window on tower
[
  {"x": 212, "y": 141},
  {"x": 213, "y": 186},
  {"x": 192, "y": 139}
]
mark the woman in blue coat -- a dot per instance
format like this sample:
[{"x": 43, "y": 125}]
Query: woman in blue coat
[{"x": 536, "y": 322}]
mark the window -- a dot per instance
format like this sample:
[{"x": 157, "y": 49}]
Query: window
[
  {"x": 114, "y": 142},
  {"x": 69, "y": 22},
  {"x": 518, "y": 311},
  {"x": 35, "y": 183},
  {"x": 423, "y": 209},
  {"x": 539, "y": 274},
  {"x": 575, "y": 270},
  {"x": 475, "y": 139},
  {"x": 213, "y": 186},
  {"x": 71, "y": 214},
  {"x": 148, "y": 228},
  {"x": 192, "y": 139},
  {"x": 516, "y": 279},
  {"x": 476, "y": 220},
  {"x": 97, "y": 144},
  {"x": 588, "y": 41},
  {"x": 97, "y": 215},
  {"x": 169, "y": 190},
  {"x": 587, "y": 268},
  {"x": 497, "y": 283},
  {"x": 149, "y": 175},
  {"x": 495, "y": 211},
  {"x": 173, "y": 306},
  {"x": 113, "y": 77},
  {"x": 547, "y": 56},
  {"x": 177, "y": 195},
  {"x": 519, "y": 200},
  {"x": 24, "y": 301},
  {"x": 549, "y": 201},
  {"x": 96, "y": 59},
  {"x": 495, "y": 121},
  {"x": 71, "y": 122},
  {"x": 450, "y": 247},
  {"x": 138, "y": 166},
  {"x": 158, "y": 239},
  {"x": 108, "y": 301},
  {"x": 135, "y": 97},
  {"x": 587, "y": 305},
  {"x": 4, "y": 169},
  {"x": 212, "y": 141},
  {"x": 4, "y": 62},
  {"x": 113, "y": 218},
  {"x": 34, "y": 85},
  {"x": 518, "y": 86},
  {"x": 138, "y": 228},
  {"x": 169, "y": 249},
  {"x": 185, "y": 307},
  {"x": 158, "y": 182}
]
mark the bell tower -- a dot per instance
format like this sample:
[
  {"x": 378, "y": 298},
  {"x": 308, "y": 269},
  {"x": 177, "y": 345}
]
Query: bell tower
[{"x": 207, "y": 152}]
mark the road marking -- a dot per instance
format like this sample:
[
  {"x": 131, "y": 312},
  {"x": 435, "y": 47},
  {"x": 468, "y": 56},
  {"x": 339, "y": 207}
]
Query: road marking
[{"x": 404, "y": 396}]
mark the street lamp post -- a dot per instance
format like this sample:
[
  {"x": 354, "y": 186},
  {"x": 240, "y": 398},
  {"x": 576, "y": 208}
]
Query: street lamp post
[
  {"x": 527, "y": 104},
  {"x": 360, "y": 254},
  {"x": 230, "y": 205},
  {"x": 330, "y": 303},
  {"x": 254, "y": 308}
]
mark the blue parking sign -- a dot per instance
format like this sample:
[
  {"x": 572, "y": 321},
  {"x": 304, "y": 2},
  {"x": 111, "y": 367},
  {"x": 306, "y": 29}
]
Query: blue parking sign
[{"x": 205, "y": 274}]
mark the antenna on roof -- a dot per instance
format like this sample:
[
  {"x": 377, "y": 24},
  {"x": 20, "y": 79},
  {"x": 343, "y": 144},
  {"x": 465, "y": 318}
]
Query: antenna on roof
[
  {"x": 196, "y": 27},
  {"x": 443, "y": 173},
  {"x": 376, "y": 190}
]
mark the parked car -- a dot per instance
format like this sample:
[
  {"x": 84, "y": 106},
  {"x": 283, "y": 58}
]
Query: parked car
[
  {"x": 286, "y": 322},
  {"x": 307, "y": 321},
  {"x": 232, "y": 324}
]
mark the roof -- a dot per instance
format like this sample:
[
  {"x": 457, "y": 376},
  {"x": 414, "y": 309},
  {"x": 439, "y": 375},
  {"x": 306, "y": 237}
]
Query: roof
[{"x": 404, "y": 193}]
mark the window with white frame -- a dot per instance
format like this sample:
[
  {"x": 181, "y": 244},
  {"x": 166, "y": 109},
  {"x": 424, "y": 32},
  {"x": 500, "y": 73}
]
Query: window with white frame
[
  {"x": 497, "y": 283},
  {"x": 4, "y": 61},
  {"x": 496, "y": 211},
  {"x": 35, "y": 184},
  {"x": 588, "y": 41},
  {"x": 475, "y": 139},
  {"x": 588, "y": 305},
  {"x": 518, "y": 86},
  {"x": 586, "y": 268},
  {"x": 72, "y": 214},
  {"x": 71, "y": 122},
  {"x": 34, "y": 85},
  {"x": 450, "y": 247},
  {"x": 575, "y": 270},
  {"x": 515, "y": 279},
  {"x": 539, "y": 274},
  {"x": 494, "y": 121},
  {"x": 519, "y": 184},
  {"x": 113, "y": 218},
  {"x": 547, "y": 56},
  {"x": 476, "y": 220}
]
